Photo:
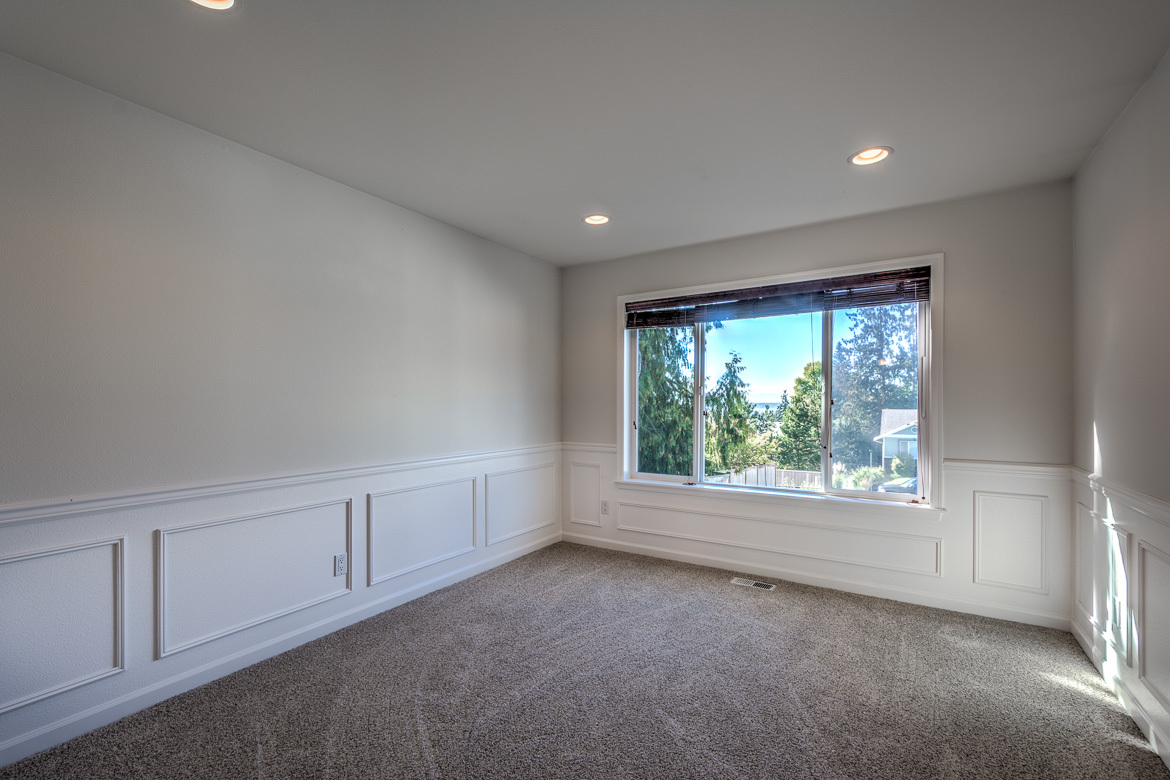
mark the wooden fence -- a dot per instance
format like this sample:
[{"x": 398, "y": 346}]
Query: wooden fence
[{"x": 768, "y": 475}]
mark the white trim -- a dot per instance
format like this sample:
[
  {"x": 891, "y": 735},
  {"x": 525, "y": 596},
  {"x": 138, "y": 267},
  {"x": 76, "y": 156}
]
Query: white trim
[
  {"x": 1089, "y": 516},
  {"x": 1007, "y": 469},
  {"x": 1122, "y": 639},
  {"x": 907, "y": 595},
  {"x": 163, "y": 649},
  {"x": 1086, "y": 642},
  {"x": 1147, "y": 725},
  {"x": 979, "y": 579},
  {"x": 937, "y": 572},
  {"x": 119, "y": 637},
  {"x": 808, "y": 500},
  {"x": 370, "y": 580},
  {"x": 107, "y": 712},
  {"x": 53, "y": 508},
  {"x": 1148, "y": 505},
  {"x": 581, "y": 446},
  {"x": 554, "y": 520},
  {"x": 573, "y": 491},
  {"x": 1144, "y": 547}
]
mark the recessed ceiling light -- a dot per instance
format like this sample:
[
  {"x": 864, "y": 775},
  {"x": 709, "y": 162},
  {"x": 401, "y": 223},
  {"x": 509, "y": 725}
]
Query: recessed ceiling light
[
  {"x": 215, "y": 5},
  {"x": 873, "y": 154},
  {"x": 596, "y": 219}
]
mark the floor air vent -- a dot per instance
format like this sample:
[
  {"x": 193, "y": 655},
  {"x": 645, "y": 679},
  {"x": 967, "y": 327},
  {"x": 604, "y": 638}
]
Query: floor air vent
[{"x": 752, "y": 583}]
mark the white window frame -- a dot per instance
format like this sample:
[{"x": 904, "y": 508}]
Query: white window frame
[{"x": 929, "y": 391}]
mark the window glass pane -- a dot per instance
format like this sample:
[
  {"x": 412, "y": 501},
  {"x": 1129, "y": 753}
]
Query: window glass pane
[
  {"x": 666, "y": 400},
  {"x": 763, "y": 399},
  {"x": 875, "y": 399}
]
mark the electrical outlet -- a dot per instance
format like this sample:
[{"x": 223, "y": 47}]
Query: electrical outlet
[
  {"x": 605, "y": 507},
  {"x": 340, "y": 565}
]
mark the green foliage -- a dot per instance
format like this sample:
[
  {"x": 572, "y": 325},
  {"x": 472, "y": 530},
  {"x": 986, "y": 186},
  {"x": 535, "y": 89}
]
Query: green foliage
[
  {"x": 767, "y": 421},
  {"x": 800, "y": 429},
  {"x": 876, "y": 368},
  {"x": 665, "y": 401},
  {"x": 732, "y": 442},
  {"x": 904, "y": 466},
  {"x": 866, "y": 477}
]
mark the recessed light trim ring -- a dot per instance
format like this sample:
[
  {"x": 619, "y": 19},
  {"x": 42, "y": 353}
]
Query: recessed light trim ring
[
  {"x": 870, "y": 155},
  {"x": 215, "y": 5}
]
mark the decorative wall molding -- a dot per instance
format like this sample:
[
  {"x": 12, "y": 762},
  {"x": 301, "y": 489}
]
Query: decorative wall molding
[
  {"x": 1146, "y": 551},
  {"x": 936, "y": 571},
  {"x": 554, "y": 512},
  {"x": 1137, "y": 501},
  {"x": 164, "y": 648},
  {"x": 983, "y": 575},
  {"x": 55, "y": 508},
  {"x": 1083, "y": 535},
  {"x": 1151, "y": 507},
  {"x": 1120, "y": 633},
  {"x": 118, "y": 599},
  {"x": 1123, "y": 566},
  {"x": 785, "y": 500},
  {"x": 576, "y": 492},
  {"x": 581, "y": 446},
  {"x": 79, "y": 722},
  {"x": 1008, "y": 469},
  {"x": 372, "y": 521}
]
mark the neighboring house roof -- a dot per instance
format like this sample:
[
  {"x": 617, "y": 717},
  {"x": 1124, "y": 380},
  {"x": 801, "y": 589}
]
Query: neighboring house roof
[{"x": 894, "y": 420}]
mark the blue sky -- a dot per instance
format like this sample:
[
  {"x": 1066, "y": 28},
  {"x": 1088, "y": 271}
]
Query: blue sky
[{"x": 775, "y": 350}]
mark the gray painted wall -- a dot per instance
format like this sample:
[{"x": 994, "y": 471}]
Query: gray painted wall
[
  {"x": 1008, "y": 312},
  {"x": 1122, "y": 278},
  {"x": 176, "y": 308}
]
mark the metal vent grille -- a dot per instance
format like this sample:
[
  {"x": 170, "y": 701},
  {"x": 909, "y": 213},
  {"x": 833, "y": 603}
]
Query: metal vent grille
[{"x": 752, "y": 584}]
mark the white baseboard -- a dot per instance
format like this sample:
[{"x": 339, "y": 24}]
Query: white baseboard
[{"x": 1062, "y": 622}]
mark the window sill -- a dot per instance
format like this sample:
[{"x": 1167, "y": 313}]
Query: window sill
[{"x": 818, "y": 501}]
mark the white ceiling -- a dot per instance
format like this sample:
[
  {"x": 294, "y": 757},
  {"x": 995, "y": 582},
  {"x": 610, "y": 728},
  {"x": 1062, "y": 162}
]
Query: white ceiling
[{"x": 686, "y": 120}]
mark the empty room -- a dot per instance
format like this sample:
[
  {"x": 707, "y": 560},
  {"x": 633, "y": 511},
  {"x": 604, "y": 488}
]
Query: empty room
[{"x": 655, "y": 388}]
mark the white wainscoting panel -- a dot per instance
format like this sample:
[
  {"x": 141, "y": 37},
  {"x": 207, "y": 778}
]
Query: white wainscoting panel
[
  {"x": 585, "y": 493},
  {"x": 62, "y": 620},
  {"x": 1010, "y": 541},
  {"x": 1085, "y": 522},
  {"x": 417, "y": 526},
  {"x": 224, "y": 576},
  {"x": 1119, "y": 623},
  {"x": 519, "y": 500},
  {"x": 1154, "y": 623},
  {"x": 878, "y": 549},
  {"x": 1005, "y": 525},
  {"x": 1123, "y": 588},
  {"x": 192, "y": 582}
]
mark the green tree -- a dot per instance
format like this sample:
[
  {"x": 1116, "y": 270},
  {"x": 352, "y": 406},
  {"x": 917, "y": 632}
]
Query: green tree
[
  {"x": 875, "y": 368},
  {"x": 730, "y": 442},
  {"x": 665, "y": 400},
  {"x": 904, "y": 466},
  {"x": 766, "y": 421},
  {"x": 800, "y": 429}
]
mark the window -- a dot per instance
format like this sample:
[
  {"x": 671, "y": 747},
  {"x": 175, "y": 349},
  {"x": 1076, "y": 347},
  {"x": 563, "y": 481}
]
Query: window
[{"x": 811, "y": 386}]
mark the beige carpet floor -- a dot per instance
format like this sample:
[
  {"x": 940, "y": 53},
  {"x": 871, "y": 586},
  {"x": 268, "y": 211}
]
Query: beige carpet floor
[{"x": 574, "y": 662}]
